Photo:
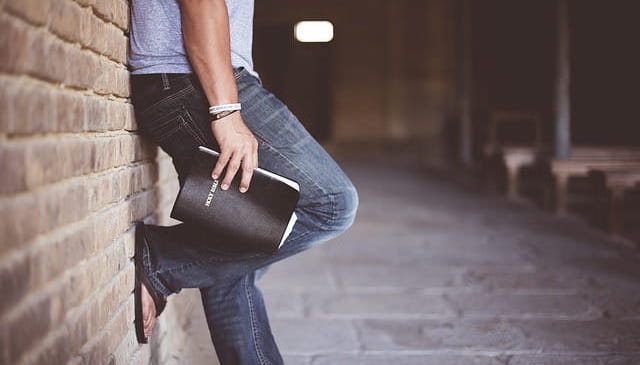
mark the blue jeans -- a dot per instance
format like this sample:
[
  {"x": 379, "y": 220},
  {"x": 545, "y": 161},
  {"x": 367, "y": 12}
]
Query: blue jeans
[{"x": 171, "y": 110}]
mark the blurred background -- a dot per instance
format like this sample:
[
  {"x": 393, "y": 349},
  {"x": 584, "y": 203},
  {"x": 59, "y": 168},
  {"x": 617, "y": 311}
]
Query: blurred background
[{"x": 494, "y": 143}]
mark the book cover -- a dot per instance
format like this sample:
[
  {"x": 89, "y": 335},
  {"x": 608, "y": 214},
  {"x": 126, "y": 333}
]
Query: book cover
[{"x": 258, "y": 220}]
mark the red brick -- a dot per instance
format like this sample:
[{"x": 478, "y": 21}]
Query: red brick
[
  {"x": 95, "y": 26},
  {"x": 14, "y": 281},
  {"x": 82, "y": 68},
  {"x": 13, "y": 159},
  {"x": 53, "y": 159},
  {"x": 33, "y": 11},
  {"x": 117, "y": 115},
  {"x": 106, "y": 9},
  {"x": 31, "y": 107},
  {"x": 27, "y": 328},
  {"x": 44, "y": 56},
  {"x": 70, "y": 112},
  {"x": 15, "y": 36},
  {"x": 115, "y": 44},
  {"x": 123, "y": 86},
  {"x": 66, "y": 20},
  {"x": 57, "y": 349},
  {"x": 130, "y": 120},
  {"x": 5, "y": 94},
  {"x": 96, "y": 114},
  {"x": 104, "y": 82},
  {"x": 21, "y": 221},
  {"x": 57, "y": 60},
  {"x": 121, "y": 18}
]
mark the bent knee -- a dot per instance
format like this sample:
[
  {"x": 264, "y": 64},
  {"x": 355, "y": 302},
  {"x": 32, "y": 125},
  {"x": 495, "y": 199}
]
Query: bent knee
[
  {"x": 345, "y": 206},
  {"x": 333, "y": 211}
]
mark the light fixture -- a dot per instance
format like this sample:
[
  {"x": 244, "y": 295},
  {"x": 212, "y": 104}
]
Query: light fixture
[{"x": 314, "y": 31}]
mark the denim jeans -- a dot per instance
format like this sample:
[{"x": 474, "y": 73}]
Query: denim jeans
[{"x": 172, "y": 110}]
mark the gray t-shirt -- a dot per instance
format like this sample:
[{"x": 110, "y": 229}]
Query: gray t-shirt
[{"x": 156, "y": 39}]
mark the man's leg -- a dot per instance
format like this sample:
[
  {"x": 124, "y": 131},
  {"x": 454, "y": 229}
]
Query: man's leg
[
  {"x": 185, "y": 257},
  {"x": 238, "y": 323}
]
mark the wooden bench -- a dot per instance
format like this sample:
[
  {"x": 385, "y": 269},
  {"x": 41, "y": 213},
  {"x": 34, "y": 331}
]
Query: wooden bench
[
  {"x": 514, "y": 156},
  {"x": 618, "y": 180},
  {"x": 585, "y": 159}
]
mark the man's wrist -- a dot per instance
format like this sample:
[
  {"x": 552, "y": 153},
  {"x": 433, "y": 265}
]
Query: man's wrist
[
  {"x": 216, "y": 109},
  {"x": 222, "y": 114},
  {"x": 220, "y": 111}
]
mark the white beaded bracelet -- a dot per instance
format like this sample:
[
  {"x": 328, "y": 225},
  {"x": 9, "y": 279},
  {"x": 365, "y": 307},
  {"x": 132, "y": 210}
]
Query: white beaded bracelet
[{"x": 213, "y": 110}]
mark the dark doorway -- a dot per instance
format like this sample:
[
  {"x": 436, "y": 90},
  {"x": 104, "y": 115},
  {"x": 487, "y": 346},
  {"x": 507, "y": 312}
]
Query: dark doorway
[{"x": 297, "y": 73}]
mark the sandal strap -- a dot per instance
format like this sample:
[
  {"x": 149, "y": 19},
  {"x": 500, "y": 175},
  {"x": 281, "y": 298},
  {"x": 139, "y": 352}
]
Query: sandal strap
[{"x": 158, "y": 300}]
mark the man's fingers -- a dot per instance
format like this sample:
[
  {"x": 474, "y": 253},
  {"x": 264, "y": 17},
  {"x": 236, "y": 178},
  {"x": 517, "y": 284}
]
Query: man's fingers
[
  {"x": 247, "y": 173},
  {"x": 222, "y": 162},
  {"x": 249, "y": 164},
  {"x": 232, "y": 168}
]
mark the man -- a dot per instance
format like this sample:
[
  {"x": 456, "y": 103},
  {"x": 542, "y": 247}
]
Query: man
[{"x": 190, "y": 57}]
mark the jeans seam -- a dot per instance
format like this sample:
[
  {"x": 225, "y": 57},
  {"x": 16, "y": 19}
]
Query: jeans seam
[
  {"x": 165, "y": 82},
  {"x": 192, "y": 127},
  {"x": 190, "y": 264},
  {"x": 173, "y": 96},
  {"x": 178, "y": 122},
  {"x": 158, "y": 284},
  {"x": 252, "y": 320},
  {"x": 326, "y": 226},
  {"x": 300, "y": 236}
]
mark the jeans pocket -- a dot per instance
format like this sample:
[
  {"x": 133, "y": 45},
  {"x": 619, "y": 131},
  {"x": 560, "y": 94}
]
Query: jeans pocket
[
  {"x": 162, "y": 123},
  {"x": 171, "y": 126}
]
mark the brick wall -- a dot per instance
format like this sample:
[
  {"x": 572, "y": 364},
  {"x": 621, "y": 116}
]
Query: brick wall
[{"x": 75, "y": 175}]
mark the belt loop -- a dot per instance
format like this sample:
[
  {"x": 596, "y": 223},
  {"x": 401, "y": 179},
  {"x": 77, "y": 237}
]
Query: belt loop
[{"x": 165, "y": 82}]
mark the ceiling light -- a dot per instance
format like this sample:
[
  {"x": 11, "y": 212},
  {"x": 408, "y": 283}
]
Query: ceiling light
[{"x": 314, "y": 31}]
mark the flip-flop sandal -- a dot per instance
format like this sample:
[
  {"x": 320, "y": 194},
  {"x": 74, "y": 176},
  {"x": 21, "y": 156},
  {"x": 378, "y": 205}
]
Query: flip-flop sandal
[{"x": 142, "y": 279}]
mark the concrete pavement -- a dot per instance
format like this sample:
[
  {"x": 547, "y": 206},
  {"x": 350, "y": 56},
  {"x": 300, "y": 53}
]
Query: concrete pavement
[{"x": 432, "y": 273}]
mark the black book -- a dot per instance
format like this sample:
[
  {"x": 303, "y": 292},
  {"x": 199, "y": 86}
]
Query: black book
[{"x": 256, "y": 221}]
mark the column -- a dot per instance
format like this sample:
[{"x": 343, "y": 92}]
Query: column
[{"x": 563, "y": 78}]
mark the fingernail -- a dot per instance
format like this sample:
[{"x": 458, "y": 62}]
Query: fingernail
[
  {"x": 214, "y": 176},
  {"x": 224, "y": 186},
  {"x": 243, "y": 190}
]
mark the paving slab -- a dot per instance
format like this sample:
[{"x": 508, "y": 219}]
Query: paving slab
[
  {"x": 406, "y": 359},
  {"x": 313, "y": 336},
  {"x": 532, "y": 336},
  {"x": 563, "y": 359}
]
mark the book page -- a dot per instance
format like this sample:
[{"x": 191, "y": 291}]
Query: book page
[{"x": 287, "y": 231}]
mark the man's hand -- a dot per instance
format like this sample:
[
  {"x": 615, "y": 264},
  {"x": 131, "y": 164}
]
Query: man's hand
[{"x": 238, "y": 148}]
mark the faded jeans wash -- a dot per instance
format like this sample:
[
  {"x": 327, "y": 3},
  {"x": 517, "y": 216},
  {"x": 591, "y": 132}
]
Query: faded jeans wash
[{"x": 172, "y": 111}]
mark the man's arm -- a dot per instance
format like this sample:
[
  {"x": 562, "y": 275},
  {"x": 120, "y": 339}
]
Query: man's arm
[{"x": 205, "y": 27}]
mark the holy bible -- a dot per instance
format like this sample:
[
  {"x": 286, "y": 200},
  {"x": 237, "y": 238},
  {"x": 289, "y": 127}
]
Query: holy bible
[{"x": 258, "y": 220}]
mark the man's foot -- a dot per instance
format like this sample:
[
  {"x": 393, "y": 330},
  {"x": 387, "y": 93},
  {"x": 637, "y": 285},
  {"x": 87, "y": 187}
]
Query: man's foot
[
  {"x": 148, "y": 311},
  {"x": 148, "y": 303}
]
